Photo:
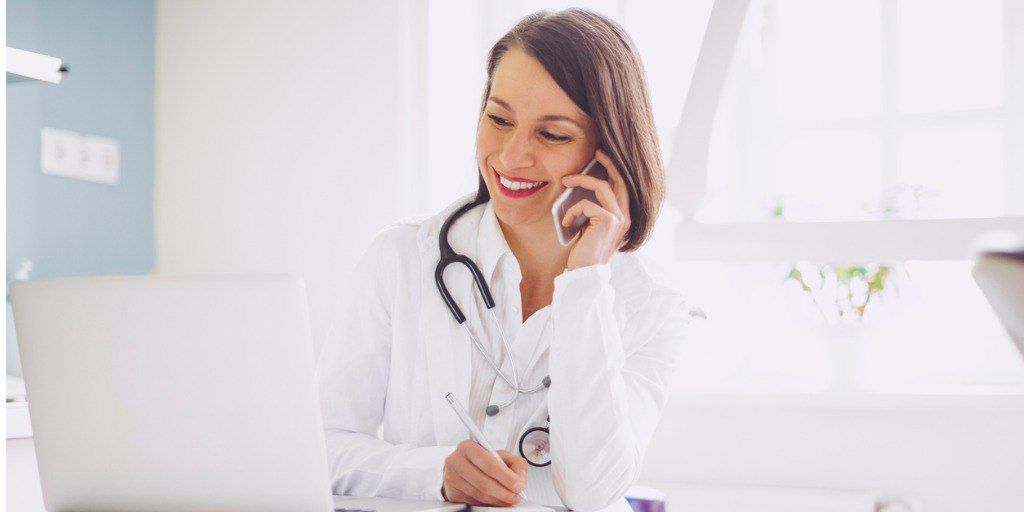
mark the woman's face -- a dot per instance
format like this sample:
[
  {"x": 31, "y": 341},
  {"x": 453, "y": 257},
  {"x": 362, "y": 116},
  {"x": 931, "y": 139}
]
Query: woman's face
[{"x": 530, "y": 135}]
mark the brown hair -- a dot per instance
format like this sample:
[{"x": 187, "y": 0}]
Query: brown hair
[{"x": 595, "y": 62}]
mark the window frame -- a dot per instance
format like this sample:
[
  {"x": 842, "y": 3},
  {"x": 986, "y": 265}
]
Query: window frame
[{"x": 876, "y": 240}]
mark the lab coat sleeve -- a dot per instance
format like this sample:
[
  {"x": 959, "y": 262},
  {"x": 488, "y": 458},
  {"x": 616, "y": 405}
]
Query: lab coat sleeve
[
  {"x": 352, "y": 375},
  {"x": 605, "y": 401}
]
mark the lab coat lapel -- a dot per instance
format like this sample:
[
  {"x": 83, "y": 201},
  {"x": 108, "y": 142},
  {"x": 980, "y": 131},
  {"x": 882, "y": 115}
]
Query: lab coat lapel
[
  {"x": 543, "y": 343},
  {"x": 448, "y": 355}
]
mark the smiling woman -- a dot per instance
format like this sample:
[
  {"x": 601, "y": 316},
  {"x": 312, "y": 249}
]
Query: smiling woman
[
  {"x": 572, "y": 83},
  {"x": 592, "y": 337}
]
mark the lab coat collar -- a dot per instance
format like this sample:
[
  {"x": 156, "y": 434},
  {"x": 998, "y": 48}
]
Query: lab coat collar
[{"x": 490, "y": 243}]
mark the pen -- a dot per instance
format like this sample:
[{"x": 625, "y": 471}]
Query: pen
[{"x": 474, "y": 431}]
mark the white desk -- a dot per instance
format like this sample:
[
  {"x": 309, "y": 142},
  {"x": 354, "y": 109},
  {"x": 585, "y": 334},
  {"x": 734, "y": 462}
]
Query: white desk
[
  {"x": 23, "y": 492},
  {"x": 395, "y": 505}
]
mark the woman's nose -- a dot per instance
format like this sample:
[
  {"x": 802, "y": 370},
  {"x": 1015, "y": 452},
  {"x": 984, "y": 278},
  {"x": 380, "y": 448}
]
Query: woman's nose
[{"x": 517, "y": 152}]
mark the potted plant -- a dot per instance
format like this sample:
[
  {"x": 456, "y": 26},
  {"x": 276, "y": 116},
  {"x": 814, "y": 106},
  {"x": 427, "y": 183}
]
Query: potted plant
[{"x": 842, "y": 294}]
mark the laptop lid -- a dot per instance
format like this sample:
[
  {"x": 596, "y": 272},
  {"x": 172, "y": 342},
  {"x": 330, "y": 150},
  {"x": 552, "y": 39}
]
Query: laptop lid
[
  {"x": 172, "y": 393},
  {"x": 1000, "y": 275}
]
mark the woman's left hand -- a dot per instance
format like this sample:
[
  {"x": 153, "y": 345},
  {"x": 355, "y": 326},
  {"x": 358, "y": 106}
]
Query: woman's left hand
[{"x": 604, "y": 233}]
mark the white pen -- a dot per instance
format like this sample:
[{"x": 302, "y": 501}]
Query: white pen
[{"x": 474, "y": 430}]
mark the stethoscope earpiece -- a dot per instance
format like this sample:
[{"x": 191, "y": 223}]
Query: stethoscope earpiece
[{"x": 493, "y": 410}]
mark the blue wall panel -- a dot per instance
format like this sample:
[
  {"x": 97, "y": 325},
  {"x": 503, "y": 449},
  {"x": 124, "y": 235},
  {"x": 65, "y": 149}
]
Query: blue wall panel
[{"x": 68, "y": 227}]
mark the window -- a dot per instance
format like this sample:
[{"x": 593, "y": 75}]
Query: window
[{"x": 866, "y": 110}]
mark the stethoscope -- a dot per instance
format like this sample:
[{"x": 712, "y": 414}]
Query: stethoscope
[
  {"x": 535, "y": 447},
  {"x": 449, "y": 256}
]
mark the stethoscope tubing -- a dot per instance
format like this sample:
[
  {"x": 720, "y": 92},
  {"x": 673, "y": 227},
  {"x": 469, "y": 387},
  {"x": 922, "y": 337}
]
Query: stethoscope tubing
[
  {"x": 448, "y": 256},
  {"x": 514, "y": 381}
]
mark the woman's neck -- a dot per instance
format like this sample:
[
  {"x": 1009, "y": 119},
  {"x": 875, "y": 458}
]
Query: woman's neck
[{"x": 541, "y": 257}]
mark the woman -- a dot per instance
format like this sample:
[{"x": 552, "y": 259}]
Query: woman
[{"x": 593, "y": 339}]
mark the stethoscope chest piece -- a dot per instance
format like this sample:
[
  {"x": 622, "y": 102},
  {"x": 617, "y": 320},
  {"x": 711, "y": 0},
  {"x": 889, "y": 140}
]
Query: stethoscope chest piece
[{"x": 535, "y": 446}]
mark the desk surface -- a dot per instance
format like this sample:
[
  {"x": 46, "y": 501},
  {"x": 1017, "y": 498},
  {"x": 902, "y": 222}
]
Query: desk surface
[
  {"x": 395, "y": 505},
  {"x": 355, "y": 503}
]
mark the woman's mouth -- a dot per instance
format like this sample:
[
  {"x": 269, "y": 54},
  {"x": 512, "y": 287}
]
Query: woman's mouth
[{"x": 517, "y": 187}]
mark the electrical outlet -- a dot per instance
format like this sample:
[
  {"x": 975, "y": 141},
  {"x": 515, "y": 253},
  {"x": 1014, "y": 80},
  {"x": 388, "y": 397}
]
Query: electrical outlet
[
  {"x": 101, "y": 159},
  {"x": 61, "y": 152},
  {"x": 72, "y": 155}
]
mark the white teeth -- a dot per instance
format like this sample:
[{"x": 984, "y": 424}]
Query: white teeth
[{"x": 518, "y": 185}]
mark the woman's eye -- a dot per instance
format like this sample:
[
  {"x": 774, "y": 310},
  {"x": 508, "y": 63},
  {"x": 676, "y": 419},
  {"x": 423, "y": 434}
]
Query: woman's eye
[
  {"x": 554, "y": 138},
  {"x": 500, "y": 121}
]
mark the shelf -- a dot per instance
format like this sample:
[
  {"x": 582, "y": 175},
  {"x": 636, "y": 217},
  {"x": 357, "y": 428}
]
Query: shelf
[
  {"x": 965, "y": 399},
  {"x": 940, "y": 239},
  {"x": 25, "y": 66}
]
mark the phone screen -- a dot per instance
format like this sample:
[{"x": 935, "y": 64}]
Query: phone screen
[{"x": 569, "y": 198}]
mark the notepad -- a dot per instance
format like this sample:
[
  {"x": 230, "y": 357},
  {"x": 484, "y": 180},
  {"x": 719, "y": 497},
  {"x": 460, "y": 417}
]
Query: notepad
[{"x": 523, "y": 506}]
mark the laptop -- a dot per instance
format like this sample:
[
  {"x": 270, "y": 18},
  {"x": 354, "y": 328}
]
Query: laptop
[
  {"x": 1000, "y": 275},
  {"x": 176, "y": 394}
]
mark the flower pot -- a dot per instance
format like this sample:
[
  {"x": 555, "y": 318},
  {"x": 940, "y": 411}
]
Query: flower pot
[{"x": 844, "y": 353}]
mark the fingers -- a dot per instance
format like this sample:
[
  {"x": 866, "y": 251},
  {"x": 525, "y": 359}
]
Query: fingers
[
  {"x": 472, "y": 475},
  {"x": 598, "y": 216},
  {"x": 494, "y": 468},
  {"x": 479, "y": 486},
  {"x": 611, "y": 194},
  {"x": 601, "y": 188},
  {"x": 517, "y": 464},
  {"x": 458, "y": 490},
  {"x": 618, "y": 184},
  {"x": 463, "y": 491}
]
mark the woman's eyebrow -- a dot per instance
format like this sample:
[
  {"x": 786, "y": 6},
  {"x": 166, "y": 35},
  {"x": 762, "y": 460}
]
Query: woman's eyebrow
[
  {"x": 501, "y": 103},
  {"x": 550, "y": 117},
  {"x": 561, "y": 118}
]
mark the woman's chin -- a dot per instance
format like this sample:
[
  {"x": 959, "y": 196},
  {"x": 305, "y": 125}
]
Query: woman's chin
[{"x": 520, "y": 215}]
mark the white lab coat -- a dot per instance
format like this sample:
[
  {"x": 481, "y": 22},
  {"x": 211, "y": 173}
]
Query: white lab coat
[{"x": 614, "y": 338}]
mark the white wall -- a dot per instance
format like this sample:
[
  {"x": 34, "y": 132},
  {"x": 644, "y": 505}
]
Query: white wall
[
  {"x": 940, "y": 453},
  {"x": 281, "y": 142}
]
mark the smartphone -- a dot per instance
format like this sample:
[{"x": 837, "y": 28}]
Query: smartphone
[{"x": 569, "y": 198}]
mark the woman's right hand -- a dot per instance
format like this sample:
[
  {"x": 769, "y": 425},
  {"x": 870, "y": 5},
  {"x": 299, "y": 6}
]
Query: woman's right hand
[{"x": 473, "y": 476}]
